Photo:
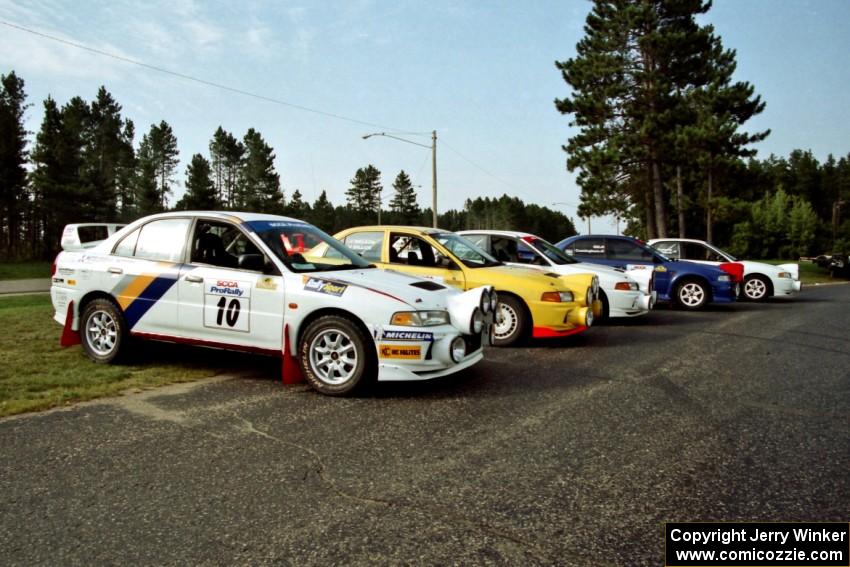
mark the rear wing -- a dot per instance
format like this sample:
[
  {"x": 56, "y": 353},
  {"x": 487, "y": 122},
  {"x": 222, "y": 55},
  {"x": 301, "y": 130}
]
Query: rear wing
[{"x": 82, "y": 236}]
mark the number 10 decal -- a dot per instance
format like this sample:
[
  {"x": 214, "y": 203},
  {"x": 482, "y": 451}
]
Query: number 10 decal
[
  {"x": 227, "y": 305},
  {"x": 229, "y": 312}
]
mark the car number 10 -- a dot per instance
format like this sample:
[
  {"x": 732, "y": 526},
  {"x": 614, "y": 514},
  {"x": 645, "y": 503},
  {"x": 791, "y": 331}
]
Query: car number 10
[{"x": 227, "y": 305}]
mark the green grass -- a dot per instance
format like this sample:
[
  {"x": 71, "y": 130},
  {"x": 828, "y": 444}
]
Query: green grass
[
  {"x": 24, "y": 270},
  {"x": 37, "y": 374},
  {"x": 810, "y": 273}
]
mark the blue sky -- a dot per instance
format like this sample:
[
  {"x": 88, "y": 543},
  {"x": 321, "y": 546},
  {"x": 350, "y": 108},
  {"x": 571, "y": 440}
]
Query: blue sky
[{"x": 481, "y": 73}]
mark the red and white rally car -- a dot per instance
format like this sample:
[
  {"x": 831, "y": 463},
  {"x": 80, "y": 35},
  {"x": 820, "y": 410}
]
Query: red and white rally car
[{"x": 249, "y": 282}]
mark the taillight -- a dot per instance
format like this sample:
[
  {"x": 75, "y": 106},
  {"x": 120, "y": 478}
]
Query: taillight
[
  {"x": 734, "y": 269},
  {"x": 53, "y": 266}
]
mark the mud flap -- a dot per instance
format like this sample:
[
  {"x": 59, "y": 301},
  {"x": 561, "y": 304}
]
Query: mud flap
[
  {"x": 290, "y": 370},
  {"x": 70, "y": 337}
]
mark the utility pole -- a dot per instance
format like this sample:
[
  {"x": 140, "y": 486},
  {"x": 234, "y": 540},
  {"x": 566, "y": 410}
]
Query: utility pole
[
  {"x": 434, "y": 176},
  {"x": 836, "y": 215},
  {"x": 433, "y": 148}
]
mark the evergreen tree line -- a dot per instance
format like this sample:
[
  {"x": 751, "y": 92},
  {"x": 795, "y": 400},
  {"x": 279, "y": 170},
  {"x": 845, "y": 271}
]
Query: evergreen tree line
[
  {"x": 660, "y": 139},
  {"x": 85, "y": 166}
]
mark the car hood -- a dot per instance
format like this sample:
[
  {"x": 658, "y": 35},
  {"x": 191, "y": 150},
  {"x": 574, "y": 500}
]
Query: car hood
[
  {"x": 521, "y": 275},
  {"x": 711, "y": 272},
  {"x": 421, "y": 292},
  {"x": 605, "y": 273}
]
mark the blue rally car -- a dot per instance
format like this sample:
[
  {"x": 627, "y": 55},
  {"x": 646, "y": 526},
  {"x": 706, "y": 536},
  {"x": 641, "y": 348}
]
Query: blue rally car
[{"x": 689, "y": 285}]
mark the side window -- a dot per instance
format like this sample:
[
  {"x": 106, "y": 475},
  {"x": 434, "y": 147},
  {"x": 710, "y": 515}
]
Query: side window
[
  {"x": 127, "y": 246},
  {"x": 479, "y": 240},
  {"x": 626, "y": 250},
  {"x": 162, "y": 240},
  {"x": 591, "y": 247},
  {"x": 93, "y": 233},
  {"x": 504, "y": 249},
  {"x": 219, "y": 244},
  {"x": 670, "y": 249},
  {"x": 413, "y": 251},
  {"x": 694, "y": 251},
  {"x": 367, "y": 244}
]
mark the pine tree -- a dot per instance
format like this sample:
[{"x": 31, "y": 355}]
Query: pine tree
[
  {"x": 200, "y": 189},
  {"x": 404, "y": 202},
  {"x": 226, "y": 153},
  {"x": 322, "y": 213},
  {"x": 49, "y": 180},
  {"x": 260, "y": 183},
  {"x": 364, "y": 195},
  {"x": 636, "y": 57},
  {"x": 13, "y": 156},
  {"x": 297, "y": 207}
]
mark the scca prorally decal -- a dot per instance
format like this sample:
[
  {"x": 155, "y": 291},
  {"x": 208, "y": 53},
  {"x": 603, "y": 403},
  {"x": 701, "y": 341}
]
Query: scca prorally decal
[
  {"x": 325, "y": 286},
  {"x": 231, "y": 288},
  {"x": 407, "y": 336}
]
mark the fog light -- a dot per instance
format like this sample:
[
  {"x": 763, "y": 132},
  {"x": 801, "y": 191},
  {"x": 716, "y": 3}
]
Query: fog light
[
  {"x": 484, "y": 304},
  {"x": 476, "y": 325},
  {"x": 588, "y": 318},
  {"x": 494, "y": 300},
  {"x": 589, "y": 296},
  {"x": 595, "y": 286},
  {"x": 458, "y": 349}
]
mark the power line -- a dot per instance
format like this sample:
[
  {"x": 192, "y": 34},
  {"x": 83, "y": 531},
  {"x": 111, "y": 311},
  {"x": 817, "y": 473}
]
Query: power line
[
  {"x": 488, "y": 172},
  {"x": 199, "y": 80}
]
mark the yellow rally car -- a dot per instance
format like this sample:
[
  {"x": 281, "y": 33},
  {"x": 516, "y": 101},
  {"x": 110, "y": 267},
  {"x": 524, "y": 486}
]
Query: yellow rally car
[{"x": 530, "y": 302}]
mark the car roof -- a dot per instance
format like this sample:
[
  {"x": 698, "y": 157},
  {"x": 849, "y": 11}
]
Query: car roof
[
  {"x": 516, "y": 233},
  {"x": 228, "y": 215},
  {"x": 425, "y": 229},
  {"x": 676, "y": 239}
]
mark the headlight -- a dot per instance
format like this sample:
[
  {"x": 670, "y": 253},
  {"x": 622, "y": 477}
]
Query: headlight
[
  {"x": 724, "y": 278},
  {"x": 458, "y": 349},
  {"x": 484, "y": 305},
  {"x": 420, "y": 318},
  {"x": 477, "y": 322},
  {"x": 557, "y": 296},
  {"x": 626, "y": 286},
  {"x": 784, "y": 275}
]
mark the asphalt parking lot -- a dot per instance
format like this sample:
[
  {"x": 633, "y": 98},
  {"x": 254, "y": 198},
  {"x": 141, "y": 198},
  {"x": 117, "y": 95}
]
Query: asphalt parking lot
[{"x": 570, "y": 452}]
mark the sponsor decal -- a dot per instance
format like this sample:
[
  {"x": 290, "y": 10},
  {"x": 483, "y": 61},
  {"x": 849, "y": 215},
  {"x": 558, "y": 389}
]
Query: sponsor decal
[
  {"x": 58, "y": 280},
  {"x": 636, "y": 267},
  {"x": 407, "y": 352},
  {"x": 230, "y": 288},
  {"x": 407, "y": 336},
  {"x": 66, "y": 271},
  {"x": 324, "y": 286},
  {"x": 267, "y": 283},
  {"x": 660, "y": 269}
]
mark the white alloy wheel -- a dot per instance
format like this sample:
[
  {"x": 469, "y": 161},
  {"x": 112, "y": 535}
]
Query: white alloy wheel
[
  {"x": 692, "y": 295},
  {"x": 102, "y": 333},
  {"x": 333, "y": 356},
  {"x": 755, "y": 288},
  {"x": 507, "y": 321}
]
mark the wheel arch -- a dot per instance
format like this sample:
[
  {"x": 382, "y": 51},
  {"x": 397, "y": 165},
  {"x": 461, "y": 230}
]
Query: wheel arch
[
  {"x": 318, "y": 313},
  {"x": 768, "y": 281},
  {"x": 97, "y": 294}
]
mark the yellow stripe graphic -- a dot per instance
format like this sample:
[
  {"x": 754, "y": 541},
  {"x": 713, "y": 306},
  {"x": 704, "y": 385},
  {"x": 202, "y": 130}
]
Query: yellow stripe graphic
[{"x": 132, "y": 291}]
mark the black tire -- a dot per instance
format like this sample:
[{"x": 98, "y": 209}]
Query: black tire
[
  {"x": 692, "y": 294},
  {"x": 103, "y": 331},
  {"x": 757, "y": 288},
  {"x": 515, "y": 321},
  {"x": 606, "y": 309},
  {"x": 349, "y": 362}
]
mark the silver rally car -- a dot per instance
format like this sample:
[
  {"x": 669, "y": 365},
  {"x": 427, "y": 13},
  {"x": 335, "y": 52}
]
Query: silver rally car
[{"x": 250, "y": 282}]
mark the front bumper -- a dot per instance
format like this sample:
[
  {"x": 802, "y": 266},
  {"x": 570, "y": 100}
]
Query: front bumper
[
  {"x": 630, "y": 303},
  {"x": 724, "y": 292},
  {"x": 560, "y": 319},
  {"x": 422, "y": 353},
  {"x": 786, "y": 287}
]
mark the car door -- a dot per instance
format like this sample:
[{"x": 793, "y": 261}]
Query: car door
[
  {"x": 417, "y": 255},
  {"x": 142, "y": 272},
  {"x": 230, "y": 293}
]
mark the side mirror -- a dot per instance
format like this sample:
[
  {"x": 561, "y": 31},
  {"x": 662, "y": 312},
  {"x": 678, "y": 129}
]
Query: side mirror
[{"x": 253, "y": 262}]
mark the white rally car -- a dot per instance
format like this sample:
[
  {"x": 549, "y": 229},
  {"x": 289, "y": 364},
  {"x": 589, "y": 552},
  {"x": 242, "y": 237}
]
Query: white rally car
[
  {"x": 622, "y": 294},
  {"x": 760, "y": 280},
  {"x": 249, "y": 282}
]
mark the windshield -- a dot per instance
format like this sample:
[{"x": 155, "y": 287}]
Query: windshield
[
  {"x": 550, "y": 251},
  {"x": 471, "y": 255},
  {"x": 305, "y": 248},
  {"x": 727, "y": 254},
  {"x": 654, "y": 252}
]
